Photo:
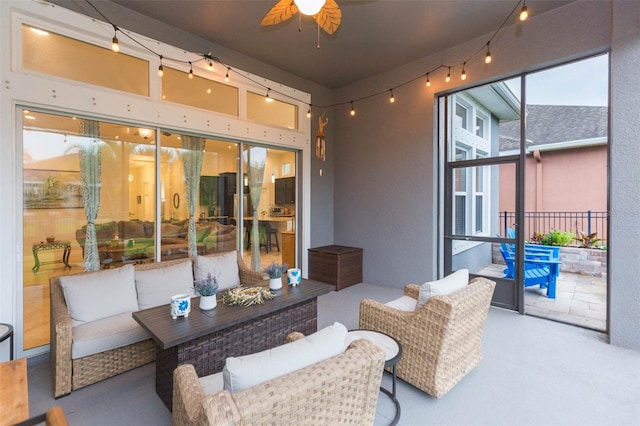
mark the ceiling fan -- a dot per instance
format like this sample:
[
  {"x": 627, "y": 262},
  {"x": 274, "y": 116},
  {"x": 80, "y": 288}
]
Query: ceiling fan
[{"x": 326, "y": 13}]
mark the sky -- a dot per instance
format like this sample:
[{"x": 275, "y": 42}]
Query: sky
[{"x": 579, "y": 83}]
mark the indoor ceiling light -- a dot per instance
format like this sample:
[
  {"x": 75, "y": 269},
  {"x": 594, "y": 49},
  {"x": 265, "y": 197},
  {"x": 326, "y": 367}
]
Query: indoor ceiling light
[
  {"x": 145, "y": 133},
  {"x": 309, "y": 7}
]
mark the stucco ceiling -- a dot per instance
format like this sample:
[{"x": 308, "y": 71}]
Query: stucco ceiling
[{"x": 375, "y": 35}]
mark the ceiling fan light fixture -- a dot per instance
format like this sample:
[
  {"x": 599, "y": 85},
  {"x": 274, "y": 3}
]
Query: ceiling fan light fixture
[{"x": 309, "y": 7}]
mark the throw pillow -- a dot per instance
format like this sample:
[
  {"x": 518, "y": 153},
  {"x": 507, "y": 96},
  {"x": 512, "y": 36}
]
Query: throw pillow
[
  {"x": 101, "y": 294},
  {"x": 224, "y": 266},
  {"x": 132, "y": 229},
  {"x": 156, "y": 286},
  {"x": 201, "y": 232},
  {"x": 243, "y": 372},
  {"x": 446, "y": 285},
  {"x": 170, "y": 231}
]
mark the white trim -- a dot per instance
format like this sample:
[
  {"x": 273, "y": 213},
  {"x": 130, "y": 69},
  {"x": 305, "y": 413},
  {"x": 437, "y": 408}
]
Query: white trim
[{"x": 580, "y": 143}]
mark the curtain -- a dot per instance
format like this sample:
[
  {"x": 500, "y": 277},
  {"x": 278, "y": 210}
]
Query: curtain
[
  {"x": 255, "y": 160},
  {"x": 91, "y": 181},
  {"x": 192, "y": 160}
]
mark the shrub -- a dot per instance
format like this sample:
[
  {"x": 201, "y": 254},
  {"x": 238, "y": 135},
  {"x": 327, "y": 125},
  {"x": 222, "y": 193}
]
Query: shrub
[{"x": 554, "y": 238}]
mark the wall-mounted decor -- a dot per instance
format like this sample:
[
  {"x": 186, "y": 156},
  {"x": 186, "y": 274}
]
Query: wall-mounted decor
[
  {"x": 52, "y": 189},
  {"x": 176, "y": 200}
]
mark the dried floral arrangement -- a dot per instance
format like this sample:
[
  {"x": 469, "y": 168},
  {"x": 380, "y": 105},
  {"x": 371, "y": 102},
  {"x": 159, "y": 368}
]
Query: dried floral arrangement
[{"x": 246, "y": 296}]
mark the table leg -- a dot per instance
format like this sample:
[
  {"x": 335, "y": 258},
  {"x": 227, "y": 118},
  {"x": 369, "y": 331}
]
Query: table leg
[
  {"x": 37, "y": 261},
  {"x": 65, "y": 257},
  {"x": 392, "y": 396}
]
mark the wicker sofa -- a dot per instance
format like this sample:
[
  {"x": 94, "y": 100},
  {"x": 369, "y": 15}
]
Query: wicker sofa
[
  {"x": 69, "y": 372},
  {"x": 441, "y": 341},
  {"x": 339, "y": 390}
]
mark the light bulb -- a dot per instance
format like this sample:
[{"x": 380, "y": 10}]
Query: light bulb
[
  {"x": 160, "y": 70},
  {"x": 487, "y": 59},
  {"x": 428, "y": 81},
  {"x": 524, "y": 13},
  {"x": 309, "y": 7},
  {"x": 463, "y": 76},
  {"x": 448, "y": 79},
  {"x": 190, "y": 71},
  {"x": 226, "y": 77},
  {"x": 392, "y": 99},
  {"x": 210, "y": 66},
  {"x": 353, "y": 111},
  {"x": 309, "y": 113},
  {"x": 115, "y": 46}
]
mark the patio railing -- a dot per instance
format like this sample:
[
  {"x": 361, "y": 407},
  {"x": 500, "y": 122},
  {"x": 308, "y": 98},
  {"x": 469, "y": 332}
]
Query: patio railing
[{"x": 544, "y": 222}]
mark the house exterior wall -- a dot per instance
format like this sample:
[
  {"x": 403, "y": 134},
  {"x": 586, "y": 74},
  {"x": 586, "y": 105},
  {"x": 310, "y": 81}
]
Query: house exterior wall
[{"x": 569, "y": 180}]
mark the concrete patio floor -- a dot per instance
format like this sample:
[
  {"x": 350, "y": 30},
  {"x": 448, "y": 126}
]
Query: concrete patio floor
[{"x": 580, "y": 299}]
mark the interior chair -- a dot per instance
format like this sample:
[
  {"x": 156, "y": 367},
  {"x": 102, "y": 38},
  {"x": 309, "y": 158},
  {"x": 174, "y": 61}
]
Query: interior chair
[
  {"x": 441, "y": 340},
  {"x": 269, "y": 233},
  {"x": 542, "y": 272}
]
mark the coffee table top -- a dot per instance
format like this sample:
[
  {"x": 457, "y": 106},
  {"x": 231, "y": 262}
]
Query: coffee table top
[{"x": 168, "y": 332}]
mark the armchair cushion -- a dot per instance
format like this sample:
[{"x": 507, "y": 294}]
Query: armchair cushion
[
  {"x": 156, "y": 286},
  {"x": 449, "y": 284},
  {"x": 101, "y": 294},
  {"x": 404, "y": 303},
  {"x": 224, "y": 266},
  {"x": 243, "y": 372}
]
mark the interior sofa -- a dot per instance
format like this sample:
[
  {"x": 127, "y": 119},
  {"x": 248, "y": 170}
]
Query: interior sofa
[
  {"x": 211, "y": 237},
  {"x": 309, "y": 380},
  {"x": 93, "y": 333}
]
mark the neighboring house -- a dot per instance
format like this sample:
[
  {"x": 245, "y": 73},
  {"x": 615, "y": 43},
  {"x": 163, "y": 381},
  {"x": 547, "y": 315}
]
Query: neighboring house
[{"x": 566, "y": 163}]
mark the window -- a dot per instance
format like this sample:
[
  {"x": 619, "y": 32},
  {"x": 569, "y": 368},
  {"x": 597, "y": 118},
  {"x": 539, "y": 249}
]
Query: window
[
  {"x": 52, "y": 54},
  {"x": 480, "y": 127},
  {"x": 461, "y": 116}
]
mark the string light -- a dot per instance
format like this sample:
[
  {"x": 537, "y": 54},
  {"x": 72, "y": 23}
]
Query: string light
[
  {"x": 524, "y": 13},
  {"x": 210, "y": 59},
  {"x": 115, "y": 46},
  {"x": 463, "y": 76},
  {"x": 160, "y": 68}
]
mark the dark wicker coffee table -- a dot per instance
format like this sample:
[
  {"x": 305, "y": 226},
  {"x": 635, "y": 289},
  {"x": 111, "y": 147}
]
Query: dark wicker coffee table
[{"x": 206, "y": 338}]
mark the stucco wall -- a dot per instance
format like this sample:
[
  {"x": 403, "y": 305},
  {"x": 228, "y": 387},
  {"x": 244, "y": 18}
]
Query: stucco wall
[{"x": 624, "y": 270}]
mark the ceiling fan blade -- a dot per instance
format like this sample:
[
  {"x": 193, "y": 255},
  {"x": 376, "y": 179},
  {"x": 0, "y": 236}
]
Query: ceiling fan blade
[
  {"x": 330, "y": 17},
  {"x": 282, "y": 11}
]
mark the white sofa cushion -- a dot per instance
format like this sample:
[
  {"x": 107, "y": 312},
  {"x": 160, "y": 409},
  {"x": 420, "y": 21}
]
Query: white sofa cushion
[
  {"x": 106, "y": 334},
  {"x": 213, "y": 383},
  {"x": 403, "y": 303},
  {"x": 96, "y": 295},
  {"x": 224, "y": 266},
  {"x": 449, "y": 284},
  {"x": 156, "y": 286},
  {"x": 243, "y": 372}
]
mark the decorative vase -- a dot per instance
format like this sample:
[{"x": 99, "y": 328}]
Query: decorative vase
[
  {"x": 208, "y": 302},
  {"x": 180, "y": 305},
  {"x": 275, "y": 283},
  {"x": 294, "y": 277}
]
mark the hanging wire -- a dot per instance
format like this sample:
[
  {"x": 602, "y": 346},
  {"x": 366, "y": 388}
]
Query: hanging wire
[{"x": 210, "y": 59}]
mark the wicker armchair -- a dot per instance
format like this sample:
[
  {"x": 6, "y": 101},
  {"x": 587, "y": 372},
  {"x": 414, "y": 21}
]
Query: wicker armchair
[
  {"x": 340, "y": 390},
  {"x": 441, "y": 341},
  {"x": 69, "y": 374}
]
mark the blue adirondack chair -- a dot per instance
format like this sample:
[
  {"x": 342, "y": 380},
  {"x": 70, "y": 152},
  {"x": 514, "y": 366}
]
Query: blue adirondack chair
[
  {"x": 542, "y": 272},
  {"x": 534, "y": 251}
]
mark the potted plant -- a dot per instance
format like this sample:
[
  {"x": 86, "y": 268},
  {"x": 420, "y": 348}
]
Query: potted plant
[
  {"x": 275, "y": 271},
  {"x": 207, "y": 289}
]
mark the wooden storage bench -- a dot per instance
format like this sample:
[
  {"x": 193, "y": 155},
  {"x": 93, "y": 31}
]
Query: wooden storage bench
[{"x": 337, "y": 265}]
